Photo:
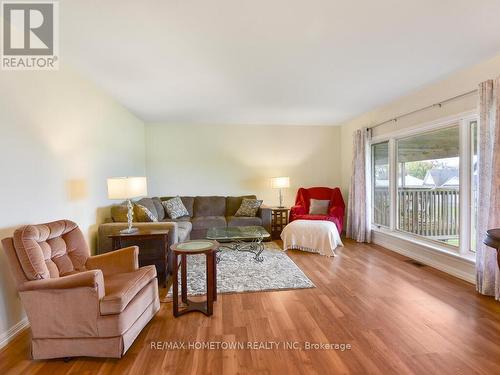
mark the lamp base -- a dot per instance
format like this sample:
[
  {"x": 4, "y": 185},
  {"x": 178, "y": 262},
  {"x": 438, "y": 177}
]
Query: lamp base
[{"x": 129, "y": 231}]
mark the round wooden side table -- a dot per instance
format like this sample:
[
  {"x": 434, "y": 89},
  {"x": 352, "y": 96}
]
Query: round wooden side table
[
  {"x": 492, "y": 239},
  {"x": 183, "y": 249}
]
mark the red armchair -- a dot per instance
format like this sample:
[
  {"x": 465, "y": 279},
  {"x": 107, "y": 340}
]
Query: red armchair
[{"x": 336, "y": 208}]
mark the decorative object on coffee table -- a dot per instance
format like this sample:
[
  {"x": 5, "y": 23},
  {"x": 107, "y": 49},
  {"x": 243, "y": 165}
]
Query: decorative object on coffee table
[
  {"x": 280, "y": 183},
  {"x": 127, "y": 188},
  {"x": 194, "y": 247},
  {"x": 248, "y": 239},
  {"x": 153, "y": 248},
  {"x": 492, "y": 239},
  {"x": 279, "y": 220}
]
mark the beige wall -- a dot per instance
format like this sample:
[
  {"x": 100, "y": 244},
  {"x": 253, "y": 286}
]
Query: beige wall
[
  {"x": 232, "y": 160},
  {"x": 456, "y": 84},
  {"x": 60, "y": 139}
]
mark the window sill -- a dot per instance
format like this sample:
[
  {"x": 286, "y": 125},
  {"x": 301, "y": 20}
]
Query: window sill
[{"x": 432, "y": 246}]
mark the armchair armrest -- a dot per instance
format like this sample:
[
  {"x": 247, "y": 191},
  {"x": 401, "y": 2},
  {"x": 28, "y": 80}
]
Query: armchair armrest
[
  {"x": 66, "y": 306},
  {"x": 336, "y": 211},
  {"x": 91, "y": 279},
  {"x": 265, "y": 214},
  {"x": 298, "y": 210},
  {"x": 122, "y": 260}
]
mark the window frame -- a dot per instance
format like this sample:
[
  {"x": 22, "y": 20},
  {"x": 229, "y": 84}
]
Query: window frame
[{"x": 464, "y": 121}]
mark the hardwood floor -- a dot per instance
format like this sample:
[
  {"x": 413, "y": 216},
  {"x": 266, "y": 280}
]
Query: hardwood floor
[{"x": 398, "y": 318}]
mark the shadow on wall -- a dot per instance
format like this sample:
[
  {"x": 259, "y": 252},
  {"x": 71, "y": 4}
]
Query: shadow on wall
[
  {"x": 103, "y": 214},
  {"x": 11, "y": 310}
]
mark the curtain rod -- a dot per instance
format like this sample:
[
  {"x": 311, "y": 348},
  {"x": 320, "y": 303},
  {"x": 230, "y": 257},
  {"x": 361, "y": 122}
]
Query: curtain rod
[{"x": 439, "y": 104}]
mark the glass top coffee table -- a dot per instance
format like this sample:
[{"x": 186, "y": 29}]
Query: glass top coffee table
[{"x": 248, "y": 239}]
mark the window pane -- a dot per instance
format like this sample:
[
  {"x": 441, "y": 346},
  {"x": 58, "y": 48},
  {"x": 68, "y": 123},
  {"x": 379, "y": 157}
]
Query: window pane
[
  {"x": 380, "y": 183},
  {"x": 474, "y": 177},
  {"x": 429, "y": 185}
]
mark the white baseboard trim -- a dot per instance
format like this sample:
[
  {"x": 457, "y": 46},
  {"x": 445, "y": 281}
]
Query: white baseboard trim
[
  {"x": 462, "y": 268},
  {"x": 13, "y": 331}
]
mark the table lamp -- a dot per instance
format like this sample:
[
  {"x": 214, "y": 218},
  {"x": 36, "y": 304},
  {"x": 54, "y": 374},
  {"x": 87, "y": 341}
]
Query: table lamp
[
  {"x": 127, "y": 188},
  {"x": 280, "y": 183}
]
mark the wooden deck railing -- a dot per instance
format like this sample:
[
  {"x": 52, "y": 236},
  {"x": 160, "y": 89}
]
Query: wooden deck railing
[{"x": 428, "y": 212}]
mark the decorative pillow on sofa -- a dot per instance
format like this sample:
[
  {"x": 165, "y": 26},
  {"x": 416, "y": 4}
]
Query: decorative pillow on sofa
[
  {"x": 249, "y": 207},
  {"x": 143, "y": 214},
  {"x": 119, "y": 213},
  {"x": 318, "y": 207},
  {"x": 175, "y": 208}
]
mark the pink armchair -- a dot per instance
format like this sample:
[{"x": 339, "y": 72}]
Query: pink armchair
[
  {"x": 336, "y": 207},
  {"x": 77, "y": 304}
]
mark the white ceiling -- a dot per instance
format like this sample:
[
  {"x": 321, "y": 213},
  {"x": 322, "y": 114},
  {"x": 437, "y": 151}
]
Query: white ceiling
[{"x": 271, "y": 61}]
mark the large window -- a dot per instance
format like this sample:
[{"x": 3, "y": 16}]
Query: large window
[
  {"x": 424, "y": 183},
  {"x": 428, "y": 196},
  {"x": 380, "y": 182}
]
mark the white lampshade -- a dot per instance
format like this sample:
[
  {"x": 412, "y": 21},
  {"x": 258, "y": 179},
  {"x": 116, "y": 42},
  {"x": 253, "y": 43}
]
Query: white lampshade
[
  {"x": 127, "y": 187},
  {"x": 280, "y": 182}
]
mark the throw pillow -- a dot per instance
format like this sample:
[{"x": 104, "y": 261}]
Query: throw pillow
[
  {"x": 119, "y": 213},
  {"x": 248, "y": 208},
  {"x": 175, "y": 208},
  {"x": 143, "y": 214},
  {"x": 318, "y": 207}
]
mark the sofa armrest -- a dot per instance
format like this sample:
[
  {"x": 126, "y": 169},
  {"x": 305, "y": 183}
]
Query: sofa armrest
[
  {"x": 122, "y": 260},
  {"x": 265, "y": 214},
  {"x": 90, "y": 279}
]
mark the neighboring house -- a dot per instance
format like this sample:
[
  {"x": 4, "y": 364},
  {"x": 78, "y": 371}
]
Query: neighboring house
[
  {"x": 410, "y": 182},
  {"x": 439, "y": 177}
]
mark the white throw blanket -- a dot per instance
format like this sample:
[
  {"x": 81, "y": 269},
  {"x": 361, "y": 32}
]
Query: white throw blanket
[{"x": 318, "y": 236}]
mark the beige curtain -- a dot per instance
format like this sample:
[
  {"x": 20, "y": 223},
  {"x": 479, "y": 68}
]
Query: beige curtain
[
  {"x": 358, "y": 211},
  {"x": 487, "y": 272}
]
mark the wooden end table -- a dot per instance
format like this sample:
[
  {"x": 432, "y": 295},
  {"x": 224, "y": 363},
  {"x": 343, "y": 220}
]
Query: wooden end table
[
  {"x": 148, "y": 254},
  {"x": 209, "y": 248},
  {"x": 492, "y": 239},
  {"x": 279, "y": 220}
]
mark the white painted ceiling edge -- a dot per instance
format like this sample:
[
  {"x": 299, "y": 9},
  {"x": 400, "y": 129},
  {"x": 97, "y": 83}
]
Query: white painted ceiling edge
[{"x": 271, "y": 62}]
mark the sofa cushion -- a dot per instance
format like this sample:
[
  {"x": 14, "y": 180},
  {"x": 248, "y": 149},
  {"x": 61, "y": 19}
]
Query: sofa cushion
[
  {"x": 209, "y": 206},
  {"x": 206, "y": 222},
  {"x": 121, "y": 288},
  {"x": 184, "y": 230},
  {"x": 160, "y": 210},
  {"x": 248, "y": 208},
  {"x": 233, "y": 203},
  {"x": 240, "y": 221},
  {"x": 178, "y": 220},
  {"x": 149, "y": 204}
]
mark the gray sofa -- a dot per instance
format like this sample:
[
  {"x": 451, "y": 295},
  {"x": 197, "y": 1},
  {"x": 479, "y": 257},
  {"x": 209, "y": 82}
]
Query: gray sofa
[{"x": 204, "y": 213}]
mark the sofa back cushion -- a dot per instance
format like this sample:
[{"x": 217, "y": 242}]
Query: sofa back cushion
[
  {"x": 159, "y": 208},
  {"x": 50, "y": 250},
  {"x": 209, "y": 206},
  {"x": 233, "y": 203},
  {"x": 187, "y": 201}
]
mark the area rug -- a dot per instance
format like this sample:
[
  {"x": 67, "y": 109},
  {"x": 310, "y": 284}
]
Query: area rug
[{"x": 239, "y": 272}]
